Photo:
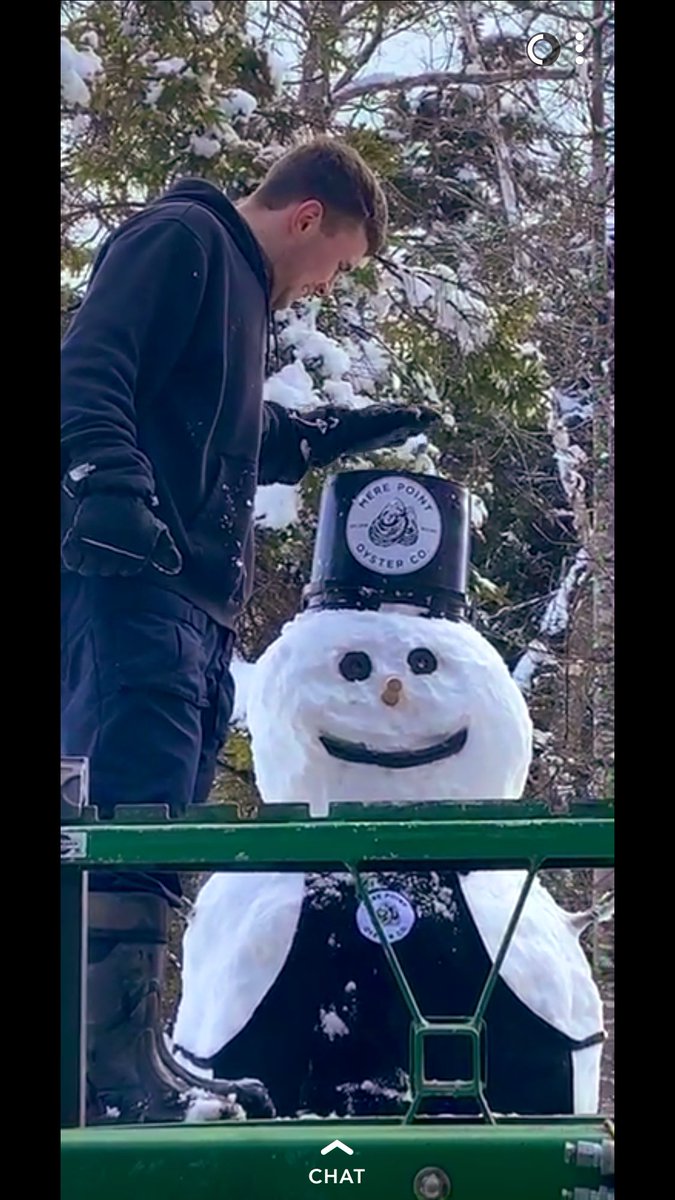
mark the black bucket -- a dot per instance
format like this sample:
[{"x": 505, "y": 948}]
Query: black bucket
[{"x": 391, "y": 537}]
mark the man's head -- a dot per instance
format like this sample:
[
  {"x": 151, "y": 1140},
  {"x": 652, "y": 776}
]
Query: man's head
[{"x": 319, "y": 211}]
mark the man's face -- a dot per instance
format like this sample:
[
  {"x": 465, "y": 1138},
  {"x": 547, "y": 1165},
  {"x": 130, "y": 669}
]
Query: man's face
[{"x": 311, "y": 258}]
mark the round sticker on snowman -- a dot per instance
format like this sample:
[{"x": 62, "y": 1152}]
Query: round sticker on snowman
[
  {"x": 394, "y": 912},
  {"x": 394, "y": 526}
]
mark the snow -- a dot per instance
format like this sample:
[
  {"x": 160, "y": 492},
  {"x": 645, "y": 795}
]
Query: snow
[
  {"x": 241, "y": 671},
  {"x": 529, "y": 350},
  {"x": 416, "y": 290},
  {"x": 237, "y": 103},
  {"x": 205, "y": 1106},
  {"x": 277, "y": 506},
  {"x": 312, "y": 346},
  {"x": 478, "y": 511},
  {"x": 569, "y": 461},
  {"x": 381, "y": 79},
  {"x": 557, "y": 991},
  {"x": 453, "y": 308},
  {"x": 168, "y": 66},
  {"x": 291, "y": 387},
  {"x": 573, "y": 404},
  {"x": 77, "y": 474},
  {"x": 535, "y": 657},
  {"x": 332, "y": 1025},
  {"x": 553, "y": 623},
  {"x": 251, "y": 918},
  {"x": 556, "y": 617},
  {"x": 201, "y": 8},
  {"x": 129, "y": 24},
  {"x": 415, "y": 455},
  {"x": 204, "y": 145},
  {"x": 327, "y": 370},
  {"x": 339, "y": 391},
  {"x": 77, "y": 68},
  {"x": 80, "y": 124},
  {"x": 90, "y": 38},
  {"x": 369, "y": 363},
  {"x": 153, "y": 92},
  {"x": 277, "y": 68},
  {"x": 464, "y": 315}
]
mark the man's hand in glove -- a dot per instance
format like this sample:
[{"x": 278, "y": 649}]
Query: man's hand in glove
[
  {"x": 329, "y": 432},
  {"x": 114, "y": 534}
]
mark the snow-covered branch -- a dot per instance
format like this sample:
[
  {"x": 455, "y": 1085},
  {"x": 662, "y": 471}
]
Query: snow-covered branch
[
  {"x": 553, "y": 623},
  {"x": 370, "y": 84}
]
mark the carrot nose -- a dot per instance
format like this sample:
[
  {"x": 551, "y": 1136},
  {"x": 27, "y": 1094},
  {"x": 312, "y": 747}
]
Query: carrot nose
[{"x": 392, "y": 692}]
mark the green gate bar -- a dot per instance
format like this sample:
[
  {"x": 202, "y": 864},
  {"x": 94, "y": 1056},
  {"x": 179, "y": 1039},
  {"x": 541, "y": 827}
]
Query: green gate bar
[
  {"x": 254, "y": 845},
  {"x": 497, "y": 1158},
  {"x": 252, "y": 1161}
]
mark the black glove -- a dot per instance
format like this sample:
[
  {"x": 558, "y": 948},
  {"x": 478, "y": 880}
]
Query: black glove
[
  {"x": 330, "y": 432},
  {"x": 114, "y": 534}
]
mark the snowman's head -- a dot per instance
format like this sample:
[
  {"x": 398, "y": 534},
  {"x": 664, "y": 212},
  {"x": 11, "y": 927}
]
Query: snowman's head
[{"x": 368, "y": 706}]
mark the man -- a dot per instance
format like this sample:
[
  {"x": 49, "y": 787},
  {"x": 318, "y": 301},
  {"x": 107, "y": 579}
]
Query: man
[{"x": 164, "y": 440}]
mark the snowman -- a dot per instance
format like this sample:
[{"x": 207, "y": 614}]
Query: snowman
[{"x": 380, "y": 691}]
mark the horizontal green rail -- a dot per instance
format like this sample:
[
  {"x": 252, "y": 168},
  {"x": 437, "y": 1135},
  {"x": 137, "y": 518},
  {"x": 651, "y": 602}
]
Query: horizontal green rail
[
  {"x": 255, "y": 1161},
  {"x": 245, "y": 844}
]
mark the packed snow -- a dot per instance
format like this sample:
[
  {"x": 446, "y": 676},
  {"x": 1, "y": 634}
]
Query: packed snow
[
  {"x": 295, "y": 694},
  {"x": 241, "y": 671},
  {"x": 298, "y": 678}
]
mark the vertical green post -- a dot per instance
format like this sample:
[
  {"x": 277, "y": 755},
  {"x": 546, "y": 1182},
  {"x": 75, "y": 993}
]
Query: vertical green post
[{"x": 73, "y": 995}]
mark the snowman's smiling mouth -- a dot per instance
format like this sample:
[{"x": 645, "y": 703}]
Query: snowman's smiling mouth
[{"x": 358, "y": 752}]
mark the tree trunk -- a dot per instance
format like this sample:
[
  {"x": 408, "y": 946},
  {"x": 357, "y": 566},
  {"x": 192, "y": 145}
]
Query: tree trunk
[
  {"x": 322, "y": 22},
  {"x": 602, "y": 549}
]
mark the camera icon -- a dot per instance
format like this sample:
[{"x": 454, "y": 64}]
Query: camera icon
[{"x": 547, "y": 52}]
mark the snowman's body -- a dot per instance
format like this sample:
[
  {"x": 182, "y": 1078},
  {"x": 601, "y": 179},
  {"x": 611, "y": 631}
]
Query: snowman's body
[{"x": 384, "y": 706}]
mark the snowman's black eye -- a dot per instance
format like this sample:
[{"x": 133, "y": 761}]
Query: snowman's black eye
[
  {"x": 355, "y": 665},
  {"x": 422, "y": 662}
]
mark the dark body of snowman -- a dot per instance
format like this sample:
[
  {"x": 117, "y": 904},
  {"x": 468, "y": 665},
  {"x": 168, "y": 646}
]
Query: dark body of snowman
[
  {"x": 381, "y": 691},
  {"x": 333, "y": 1033}
]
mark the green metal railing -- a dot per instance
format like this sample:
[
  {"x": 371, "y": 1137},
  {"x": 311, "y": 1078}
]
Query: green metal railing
[{"x": 492, "y": 1158}]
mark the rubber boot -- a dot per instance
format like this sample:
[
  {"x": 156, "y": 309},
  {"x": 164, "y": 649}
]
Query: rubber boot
[{"x": 131, "y": 1075}]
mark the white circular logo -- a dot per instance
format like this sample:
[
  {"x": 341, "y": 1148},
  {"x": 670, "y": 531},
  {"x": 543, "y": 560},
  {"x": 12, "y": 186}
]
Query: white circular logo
[
  {"x": 394, "y": 526},
  {"x": 395, "y": 913}
]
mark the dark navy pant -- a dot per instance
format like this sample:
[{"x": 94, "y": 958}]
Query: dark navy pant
[{"x": 146, "y": 696}]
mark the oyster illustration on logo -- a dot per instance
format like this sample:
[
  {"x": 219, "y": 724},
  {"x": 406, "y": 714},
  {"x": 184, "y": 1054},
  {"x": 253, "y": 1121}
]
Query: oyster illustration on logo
[{"x": 396, "y": 524}]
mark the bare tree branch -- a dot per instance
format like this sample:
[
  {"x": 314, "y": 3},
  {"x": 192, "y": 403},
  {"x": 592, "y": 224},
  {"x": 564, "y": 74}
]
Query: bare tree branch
[
  {"x": 357, "y": 10},
  {"x": 364, "y": 54}
]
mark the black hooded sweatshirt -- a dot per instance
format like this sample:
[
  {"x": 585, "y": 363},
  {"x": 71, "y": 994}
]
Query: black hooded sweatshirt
[{"x": 161, "y": 387}]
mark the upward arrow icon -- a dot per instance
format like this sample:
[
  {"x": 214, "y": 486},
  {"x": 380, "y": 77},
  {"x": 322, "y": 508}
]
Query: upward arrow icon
[{"x": 336, "y": 1145}]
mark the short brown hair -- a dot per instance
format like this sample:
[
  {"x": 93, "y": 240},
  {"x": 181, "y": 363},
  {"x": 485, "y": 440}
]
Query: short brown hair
[{"x": 334, "y": 174}]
